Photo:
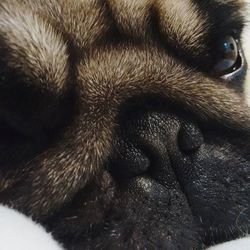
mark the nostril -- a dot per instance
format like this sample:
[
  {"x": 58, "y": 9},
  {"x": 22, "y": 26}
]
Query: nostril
[
  {"x": 151, "y": 145},
  {"x": 190, "y": 138},
  {"x": 129, "y": 161}
]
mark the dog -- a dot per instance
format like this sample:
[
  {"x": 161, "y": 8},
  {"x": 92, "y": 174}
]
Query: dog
[{"x": 124, "y": 123}]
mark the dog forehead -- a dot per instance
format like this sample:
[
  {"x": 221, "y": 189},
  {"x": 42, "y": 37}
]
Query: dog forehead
[
  {"x": 82, "y": 24},
  {"x": 182, "y": 23},
  {"x": 179, "y": 21}
]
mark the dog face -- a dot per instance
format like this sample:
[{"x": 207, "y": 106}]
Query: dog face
[{"x": 124, "y": 123}]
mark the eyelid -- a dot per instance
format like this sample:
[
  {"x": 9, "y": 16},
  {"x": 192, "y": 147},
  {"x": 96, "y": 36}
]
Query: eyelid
[
  {"x": 240, "y": 70},
  {"x": 227, "y": 55}
]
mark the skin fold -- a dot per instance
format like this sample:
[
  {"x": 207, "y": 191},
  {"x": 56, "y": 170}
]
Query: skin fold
[{"x": 116, "y": 133}]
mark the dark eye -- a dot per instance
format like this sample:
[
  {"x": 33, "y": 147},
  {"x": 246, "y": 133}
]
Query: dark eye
[{"x": 229, "y": 57}]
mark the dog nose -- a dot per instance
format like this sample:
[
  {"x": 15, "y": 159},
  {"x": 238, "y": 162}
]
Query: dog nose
[
  {"x": 190, "y": 138},
  {"x": 152, "y": 143}
]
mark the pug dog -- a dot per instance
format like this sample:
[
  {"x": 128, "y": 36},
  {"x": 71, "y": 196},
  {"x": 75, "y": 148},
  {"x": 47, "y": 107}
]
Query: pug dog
[{"x": 124, "y": 123}]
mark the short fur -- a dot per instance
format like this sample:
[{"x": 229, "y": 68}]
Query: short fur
[{"x": 68, "y": 70}]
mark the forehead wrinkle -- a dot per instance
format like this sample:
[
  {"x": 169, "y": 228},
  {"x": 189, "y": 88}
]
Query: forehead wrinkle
[
  {"x": 183, "y": 23},
  {"x": 132, "y": 17}
]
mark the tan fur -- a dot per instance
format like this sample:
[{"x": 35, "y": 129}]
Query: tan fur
[
  {"x": 181, "y": 21},
  {"x": 34, "y": 48},
  {"x": 128, "y": 14},
  {"x": 133, "y": 18},
  {"x": 42, "y": 38}
]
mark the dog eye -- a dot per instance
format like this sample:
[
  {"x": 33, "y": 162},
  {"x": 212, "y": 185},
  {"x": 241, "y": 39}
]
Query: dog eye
[{"x": 229, "y": 59}]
